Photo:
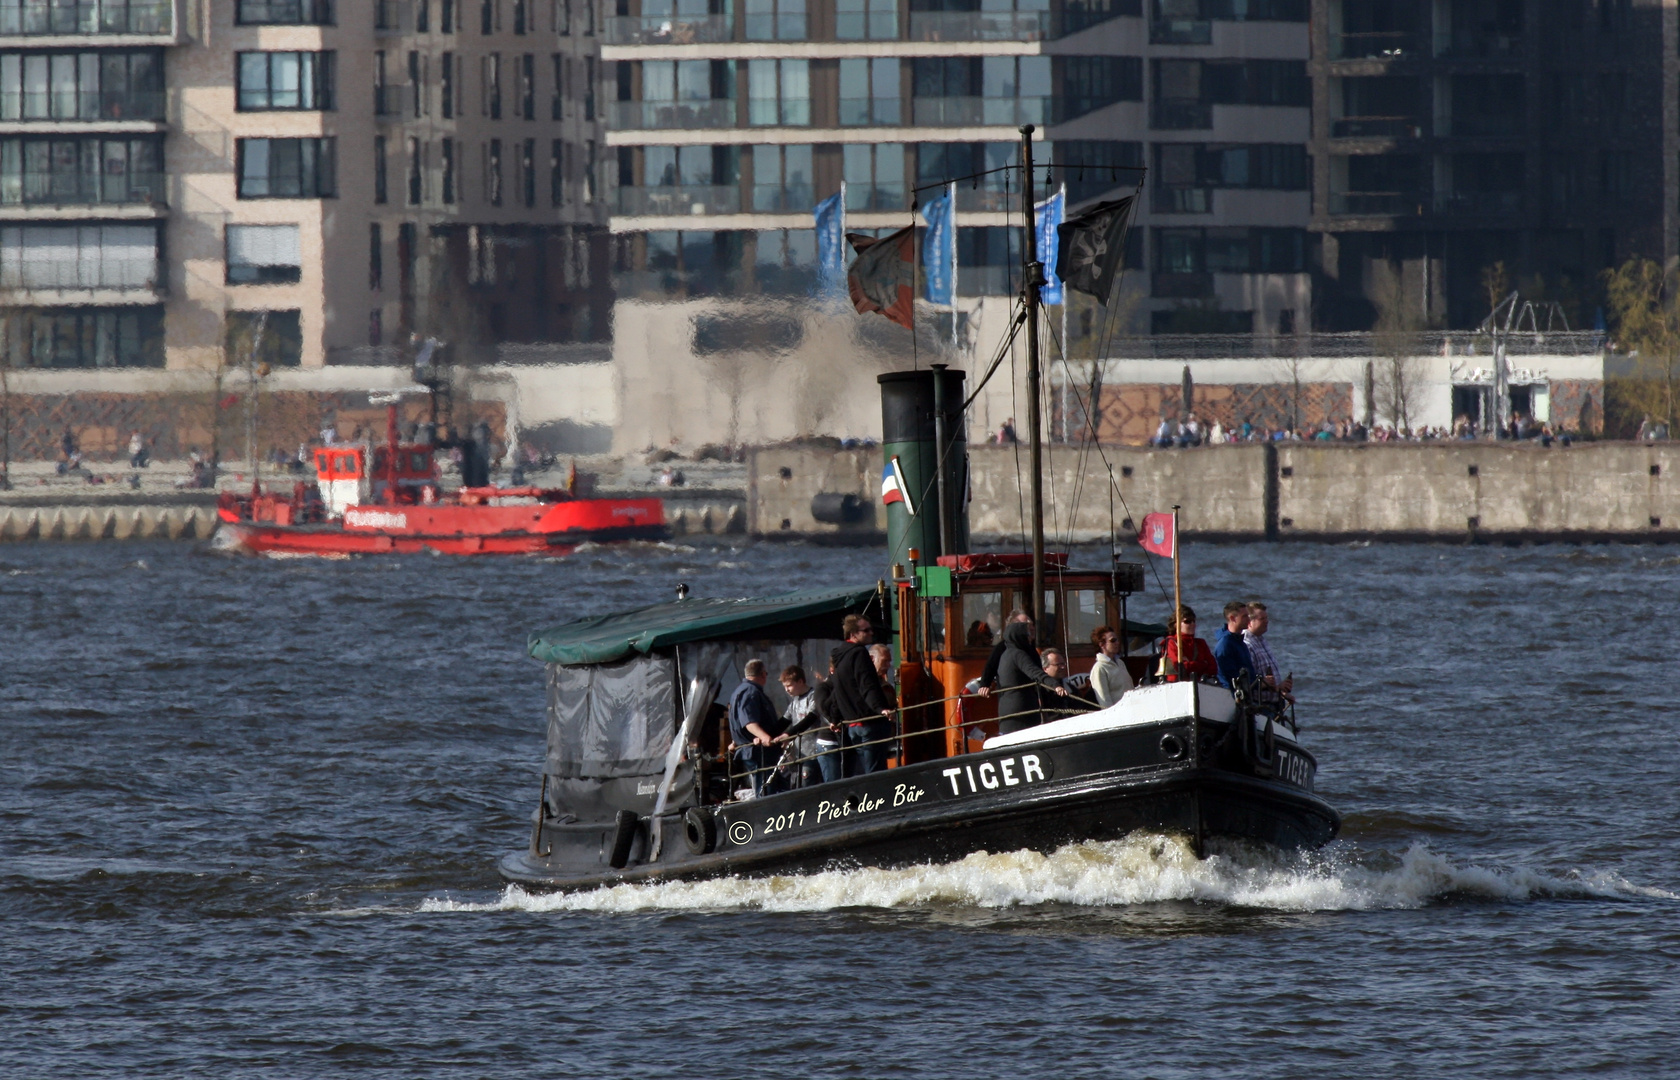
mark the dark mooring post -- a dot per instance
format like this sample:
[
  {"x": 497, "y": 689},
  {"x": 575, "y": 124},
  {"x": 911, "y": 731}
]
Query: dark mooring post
[{"x": 1031, "y": 280}]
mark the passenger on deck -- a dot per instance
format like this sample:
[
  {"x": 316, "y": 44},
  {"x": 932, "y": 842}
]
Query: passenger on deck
[
  {"x": 1077, "y": 698},
  {"x": 1109, "y": 677},
  {"x": 881, "y": 655},
  {"x": 1265, "y": 664},
  {"x": 1198, "y": 660},
  {"x": 979, "y": 635},
  {"x": 1020, "y": 677},
  {"x": 804, "y": 721},
  {"x": 860, "y": 701},
  {"x": 988, "y": 675},
  {"x": 827, "y": 734},
  {"x": 754, "y": 725},
  {"x": 1229, "y": 652}
]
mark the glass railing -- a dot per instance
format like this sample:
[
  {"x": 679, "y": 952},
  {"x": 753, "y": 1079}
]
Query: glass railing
[
  {"x": 862, "y": 196},
  {"x": 1377, "y": 202},
  {"x": 81, "y": 189},
  {"x": 1180, "y": 32},
  {"x": 678, "y": 201},
  {"x": 1479, "y": 202},
  {"x": 1377, "y": 127},
  {"x": 982, "y": 199},
  {"x": 856, "y": 112},
  {"x": 49, "y": 105},
  {"x": 668, "y": 29},
  {"x": 979, "y": 25},
  {"x": 75, "y": 18},
  {"x": 979, "y": 112},
  {"x": 772, "y": 26},
  {"x": 1172, "y": 115},
  {"x": 769, "y": 112},
  {"x": 1488, "y": 45},
  {"x": 391, "y": 17},
  {"x": 388, "y": 100},
  {"x": 1378, "y": 45},
  {"x": 985, "y": 280},
  {"x": 663, "y": 115},
  {"x": 1183, "y": 200},
  {"x": 782, "y": 198}
]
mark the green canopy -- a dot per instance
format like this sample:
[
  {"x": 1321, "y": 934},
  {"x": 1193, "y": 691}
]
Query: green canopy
[{"x": 606, "y": 638}]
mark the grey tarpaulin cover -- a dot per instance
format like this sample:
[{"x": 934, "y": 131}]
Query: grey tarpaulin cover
[{"x": 611, "y": 720}]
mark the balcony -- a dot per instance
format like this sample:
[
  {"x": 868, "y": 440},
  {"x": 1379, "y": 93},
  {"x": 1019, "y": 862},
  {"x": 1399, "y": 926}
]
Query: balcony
[
  {"x": 871, "y": 196},
  {"x": 979, "y": 25},
  {"x": 1381, "y": 203},
  {"x": 47, "y": 106},
  {"x": 1180, "y": 115},
  {"x": 677, "y": 201},
  {"x": 1484, "y": 203},
  {"x": 986, "y": 280},
  {"x": 85, "y": 18},
  {"x": 1379, "y": 45},
  {"x": 1180, "y": 32},
  {"x": 392, "y": 17},
  {"x": 1183, "y": 200},
  {"x": 1377, "y": 127},
  {"x": 861, "y": 112},
  {"x": 1481, "y": 46},
  {"x": 979, "y": 112},
  {"x": 388, "y": 102},
  {"x": 64, "y": 189},
  {"x": 668, "y": 30},
  {"x": 783, "y": 198},
  {"x": 981, "y": 199},
  {"x": 669, "y": 115}
]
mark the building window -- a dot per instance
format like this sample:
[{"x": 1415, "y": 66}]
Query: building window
[
  {"x": 416, "y": 170},
  {"x": 447, "y": 90},
  {"x": 287, "y": 169},
  {"x": 376, "y": 328},
  {"x": 1230, "y": 251},
  {"x": 376, "y": 258},
  {"x": 64, "y": 18},
  {"x": 487, "y": 17},
  {"x": 285, "y": 80},
  {"x": 285, "y": 13},
  {"x": 874, "y": 176},
  {"x": 869, "y": 92},
  {"x": 81, "y": 171},
  {"x": 779, "y": 92},
  {"x": 562, "y": 17},
  {"x": 493, "y": 172},
  {"x": 1092, "y": 82},
  {"x": 557, "y": 104},
  {"x": 866, "y": 20},
  {"x": 422, "y": 16},
  {"x": 449, "y": 171},
  {"x": 589, "y": 88},
  {"x": 417, "y": 80},
  {"x": 528, "y": 86},
  {"x": 264, "y": 255},
  {"x": 84, "y": 337},
  {"x": 557, "y": 173},
  {"x": 775, "y": 20},
  {"x": 48, "y": 257},
  {"x": 1091, "y": 167},
  {"x": 782, "y": 179},
  {"x": 519, "y": 15},
  {"x": 528, "y": 171},
  {"x": 446, "y": 16},
  {"x": 381, "y": 191},
  {"x": 271, "y": 337},
  {"x": 82, "y": 86},
  {"x": 490, "y": 78},
  {"x": 589, "y": 173}
]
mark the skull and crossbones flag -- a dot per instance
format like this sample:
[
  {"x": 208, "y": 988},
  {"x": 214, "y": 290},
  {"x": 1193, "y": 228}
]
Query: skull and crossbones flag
[{"x": 1093, "y": 247}]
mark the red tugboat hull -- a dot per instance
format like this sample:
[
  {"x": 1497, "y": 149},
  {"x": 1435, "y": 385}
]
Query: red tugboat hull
[{"x": 528, "y": 529}]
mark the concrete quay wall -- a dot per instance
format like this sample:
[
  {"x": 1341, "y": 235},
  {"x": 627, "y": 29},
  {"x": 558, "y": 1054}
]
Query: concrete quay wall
[{"x": 107, "y": 522}]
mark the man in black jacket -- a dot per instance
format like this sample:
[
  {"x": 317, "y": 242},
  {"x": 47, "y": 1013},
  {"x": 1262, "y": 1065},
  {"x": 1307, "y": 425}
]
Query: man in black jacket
[
  {"x": 1021, "y": 677},
  {"x": 859, "y": 700},
  {"x": 988, "y": 675}
]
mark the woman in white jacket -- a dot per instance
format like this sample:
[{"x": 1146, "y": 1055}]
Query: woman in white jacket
[{"x": 1109, "y": 677}]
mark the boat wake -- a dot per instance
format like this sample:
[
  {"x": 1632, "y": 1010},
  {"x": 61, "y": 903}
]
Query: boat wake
[{"x": 1141, "y": 869}]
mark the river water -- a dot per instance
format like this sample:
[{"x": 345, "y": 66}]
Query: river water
[{"x": 251, "y": 812}]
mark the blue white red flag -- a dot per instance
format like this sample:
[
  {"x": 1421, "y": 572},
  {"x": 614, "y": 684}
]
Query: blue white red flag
[
  {"x": 893, "y": 487},
  {"x": 1158, "y": 535}
]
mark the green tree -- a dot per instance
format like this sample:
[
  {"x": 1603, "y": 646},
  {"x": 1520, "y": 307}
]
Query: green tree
[{"x": 1644, "y": 302}]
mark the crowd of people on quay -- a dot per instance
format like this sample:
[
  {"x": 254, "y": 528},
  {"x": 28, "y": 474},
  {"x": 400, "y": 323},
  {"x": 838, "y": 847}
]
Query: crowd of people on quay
[
  {"x": 1190, "y": 431},
  {"x": 842, "y": 723}
]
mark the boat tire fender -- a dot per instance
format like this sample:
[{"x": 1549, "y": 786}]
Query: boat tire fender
[
  {"x": 1172, "y": 747},
  {"x": 624, "y": 836},
  {"x": 699, "y": 830}
]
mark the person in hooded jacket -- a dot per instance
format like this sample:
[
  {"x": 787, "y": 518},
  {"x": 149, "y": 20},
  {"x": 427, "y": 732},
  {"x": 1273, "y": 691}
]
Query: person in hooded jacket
[
  {"x": 860, "y": 701},
  {"x": 1020, "y": 677}
]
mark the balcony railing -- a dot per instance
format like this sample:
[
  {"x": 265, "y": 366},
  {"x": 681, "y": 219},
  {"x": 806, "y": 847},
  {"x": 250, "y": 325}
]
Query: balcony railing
[
  {"x": 855, "y": 112},
  {"x": 1183, "y": 200},
  {"x": 81, "y": 189},
  {"x": 986, "y": 280},
  {"x": 388, "y": 101},
  {"x": 1180, "y": 32},
  {"x": 889, "y": 196},
  {"x": 76, "y": 18},
  {"x": 678, "y": 201},
  {"x": 664, "y": 115},
  {"x": 979, "y": 25},
  {"x": 1482, "y": 46},
  {"x": 668, "y": 29},
  {"x": 1378, "y": 45},
  {"x": 1484, "y": 125},
  {"x": 979, "y": 112},
  {"x": 391, "y": 17},
  {"x": 1179, "y": 115},
  {"x": 1377, "y": 127},
  {"x": 47, "y": 106},
  {"x": 1478, "y": 202},
  {"x": 982, "y": 199},
  {"x": 782, "y": 198},
  {"x": 1385, "y": 203}
]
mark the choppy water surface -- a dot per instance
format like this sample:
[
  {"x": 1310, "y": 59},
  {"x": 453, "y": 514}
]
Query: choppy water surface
[{"x": 251, "y": 811}]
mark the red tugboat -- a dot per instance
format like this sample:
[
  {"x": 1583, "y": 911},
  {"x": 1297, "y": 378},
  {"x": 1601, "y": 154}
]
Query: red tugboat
[{"x": 395, "y": 502}]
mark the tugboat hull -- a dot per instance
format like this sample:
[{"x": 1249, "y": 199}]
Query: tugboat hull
[{"x": 1036, "y": 795}]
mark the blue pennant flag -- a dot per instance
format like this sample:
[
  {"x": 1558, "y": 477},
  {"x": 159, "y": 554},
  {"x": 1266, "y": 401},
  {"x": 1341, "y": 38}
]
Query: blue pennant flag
[
  {"x": 831, "y": 242},
  {"x": 938, "y": 245},
  {"x": 1047, "y": 217}
]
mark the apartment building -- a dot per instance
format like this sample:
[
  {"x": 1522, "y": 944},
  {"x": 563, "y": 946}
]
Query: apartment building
[
  {"x": 1458, "y": 144},
  {"x": 182, "y": 181},
  {"x": 730, "y": 122}
]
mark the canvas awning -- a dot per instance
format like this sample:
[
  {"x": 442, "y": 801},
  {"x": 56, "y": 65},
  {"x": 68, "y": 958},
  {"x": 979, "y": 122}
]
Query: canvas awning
[{"x": 606, "y": 638}]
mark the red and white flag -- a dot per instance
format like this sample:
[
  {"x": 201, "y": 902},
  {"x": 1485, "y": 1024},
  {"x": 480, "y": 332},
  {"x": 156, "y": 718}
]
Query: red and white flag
[{"x": 1158, "y": 535}]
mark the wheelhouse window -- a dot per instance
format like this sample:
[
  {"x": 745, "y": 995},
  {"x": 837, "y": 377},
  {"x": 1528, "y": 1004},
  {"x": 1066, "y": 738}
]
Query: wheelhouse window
[
  {"x": 982, "y": 621},
  {"x": 286, "y": 169},
  {"x": 263, "y": 255},
  {"x": 285, "y": 80}
]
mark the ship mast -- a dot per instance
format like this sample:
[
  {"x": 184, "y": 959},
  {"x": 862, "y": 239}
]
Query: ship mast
[{"x": 1032, "y": 278}]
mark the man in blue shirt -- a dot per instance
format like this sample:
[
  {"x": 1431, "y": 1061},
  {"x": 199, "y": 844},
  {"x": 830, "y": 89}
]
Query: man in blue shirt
[
  {"x": 1228, "y": 648},
  {"x": 754, "y": 724}
]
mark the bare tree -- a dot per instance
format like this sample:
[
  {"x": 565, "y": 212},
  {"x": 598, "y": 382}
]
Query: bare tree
[{"x": 1397, "y": 379}]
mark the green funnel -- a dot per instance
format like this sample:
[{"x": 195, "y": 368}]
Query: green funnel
[{"x": 916, "y": 408}]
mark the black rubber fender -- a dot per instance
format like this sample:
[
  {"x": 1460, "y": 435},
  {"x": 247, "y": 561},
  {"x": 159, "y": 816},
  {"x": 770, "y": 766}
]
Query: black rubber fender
[
  {"x": 699, "y": 830},
  {"x": 624, "y": 835}
]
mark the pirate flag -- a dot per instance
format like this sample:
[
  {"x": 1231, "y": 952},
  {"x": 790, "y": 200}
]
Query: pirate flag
[
  {"x": 884, "y": 276},
  {"x": 1093, "y": 246}
]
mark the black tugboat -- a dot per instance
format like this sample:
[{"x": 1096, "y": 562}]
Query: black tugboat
[{"x": 638, "y": 783}]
